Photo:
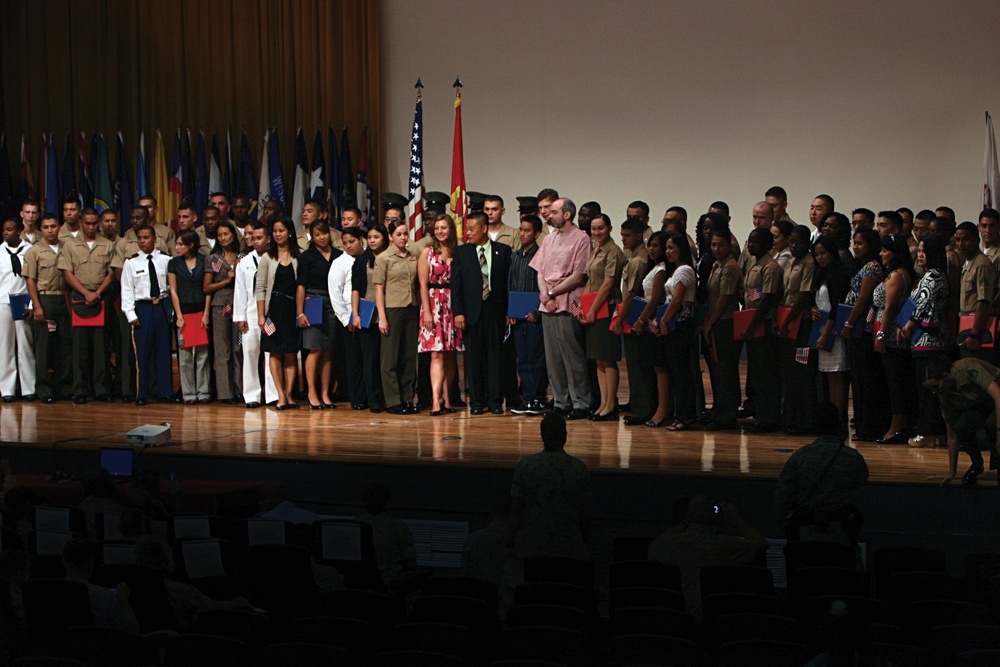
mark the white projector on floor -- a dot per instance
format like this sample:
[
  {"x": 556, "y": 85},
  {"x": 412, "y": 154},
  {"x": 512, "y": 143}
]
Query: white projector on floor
[{"x": 149, "y": 435}]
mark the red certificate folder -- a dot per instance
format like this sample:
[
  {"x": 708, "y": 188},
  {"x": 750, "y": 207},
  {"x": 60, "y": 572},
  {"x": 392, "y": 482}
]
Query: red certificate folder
[
  {"x": 92, "y": 321},
  {"x": 194, "y": 334},
  {"x": 587, "y": 302},
  {"x": 741, "y": 320},
  {"x": 793, "y": 326},
  {"x": 987, "y": 335}
]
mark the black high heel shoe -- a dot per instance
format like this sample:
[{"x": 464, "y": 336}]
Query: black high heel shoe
[
  {"x": 897, "y": 438},
  {"x": 975, "y": 470}
]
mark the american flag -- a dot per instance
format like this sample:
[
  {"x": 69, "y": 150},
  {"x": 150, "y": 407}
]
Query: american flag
[
  {"x": 802, "y": 355},
  {"x": 753, "y": 294},
  {"x": 871, "y": 315},
  {"x": 269, "y": 327},
  {"x": 575, "y": 309},
  {"x": 415, "y": 206},
  {"x": 226, "y": 310},
  {"x": 216, "y": 264}
]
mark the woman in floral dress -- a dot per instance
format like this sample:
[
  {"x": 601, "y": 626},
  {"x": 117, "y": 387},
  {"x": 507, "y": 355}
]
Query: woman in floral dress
[{"x": 438, "y": 334}]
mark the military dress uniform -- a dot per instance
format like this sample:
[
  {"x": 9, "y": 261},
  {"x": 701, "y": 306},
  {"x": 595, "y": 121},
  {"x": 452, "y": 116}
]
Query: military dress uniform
[
  {"x": 53, "y": 339},
  {"x": 798, "y": 380},
  {"x": 17, "y": 353},
  {"x": 764, "y": 276},
  {"x": 91, "y": 264},
  {"x": 144, "y": 296},
  {"x": 126, "y": 246},
  {"x": 245, "y": 310}
]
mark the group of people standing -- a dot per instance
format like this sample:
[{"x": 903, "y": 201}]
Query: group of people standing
[{"x": 548, "y": 305}]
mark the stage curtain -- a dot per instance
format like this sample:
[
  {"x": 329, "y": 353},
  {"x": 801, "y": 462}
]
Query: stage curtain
[{"x": 143, "y": 65}]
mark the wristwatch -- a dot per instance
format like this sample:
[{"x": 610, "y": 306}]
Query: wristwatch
[
  {"x": 550, "y": 294},
  {"x": 880, "y": 335}
]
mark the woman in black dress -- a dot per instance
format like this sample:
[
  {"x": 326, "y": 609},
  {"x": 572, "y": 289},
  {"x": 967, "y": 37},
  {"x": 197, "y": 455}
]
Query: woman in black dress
[
  {"x": 275, "y": 291},
  {"x": 363, "y": 287},
  {"x": 318, "y": 338}
]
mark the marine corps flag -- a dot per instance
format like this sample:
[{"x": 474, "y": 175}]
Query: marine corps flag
[
  {"x": 991, "y": 177},
  {"x": 459, "y": 203}
]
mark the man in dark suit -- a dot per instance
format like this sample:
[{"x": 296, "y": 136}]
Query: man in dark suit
[{"x": 479, "y": 302}]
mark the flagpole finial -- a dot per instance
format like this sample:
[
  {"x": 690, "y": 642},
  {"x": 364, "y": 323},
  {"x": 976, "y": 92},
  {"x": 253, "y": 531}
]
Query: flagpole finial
[
  {"x": 457, "y": 84},
  {"x": 419, "y": 85}
]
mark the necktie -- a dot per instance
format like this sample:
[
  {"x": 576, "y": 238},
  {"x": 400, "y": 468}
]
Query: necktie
[
  {"x": 255, "y": 266},
  {"x": 15, "y": 263},
  {"x": 154, "y": 281},
  {"x": 486, "y": 273}
]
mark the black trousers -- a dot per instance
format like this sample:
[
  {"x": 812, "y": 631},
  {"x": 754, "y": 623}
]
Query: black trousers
[{"x": 483, "y": 342}]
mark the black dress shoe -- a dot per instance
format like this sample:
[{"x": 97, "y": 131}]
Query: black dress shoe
[
  {"x": 329, "y": 406},
  {"x": 128, "y": 398},
  {"x": 397, "y": 410},
  {"x": 358, "y": 406},
  {"x": 449, "y": 411},
  {"x": 634, "y": 421},
  {"x": 8, "y": 399},
  {"x": 139, "y": 402},
  {"x": 611, "y": 416},
  {"x": 231, "y": 401},
  {"x": 375, "y": 410},
  {"x": 496, "y": 411},
  {"x": 436, "y": 413},
  {"x": 30, "y": 398},
  {"x": 415, "y": 409},
  {"x": 558, "y": 411},
  {"x": 975, "y": 470},
  {"x": 315, "y": 407},
  {"x": 286, "y": 406},
  {"x": 577, "y": 413},
  {"x": 897, "y": 438},
  {"x": 253, "y": 405},
  {"x": 744, "y": 413},
  {"x": 476, "y": 411},
  {"x": 105, "y": 398},
  {"x": 79, "y": 400},
  {"x": 48, "y": 400}
]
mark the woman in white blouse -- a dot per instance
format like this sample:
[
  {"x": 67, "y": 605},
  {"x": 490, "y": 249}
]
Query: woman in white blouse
[{"x": 677, "y": 324}]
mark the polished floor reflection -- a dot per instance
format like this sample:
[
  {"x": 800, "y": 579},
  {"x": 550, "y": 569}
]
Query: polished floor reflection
[{"x": 461, "y": 439}]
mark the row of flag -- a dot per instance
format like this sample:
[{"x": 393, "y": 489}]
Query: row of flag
[{"x": 193, "y": 175}]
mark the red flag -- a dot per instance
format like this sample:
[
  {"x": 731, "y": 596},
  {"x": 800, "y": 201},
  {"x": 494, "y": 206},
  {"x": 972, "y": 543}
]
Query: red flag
[{"x": 459, "y": 205}]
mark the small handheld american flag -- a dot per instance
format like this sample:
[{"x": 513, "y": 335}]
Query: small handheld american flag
[
  {"x": 575, "y": 309},
  {"x": 269, "y": 327},
  {"x": 216, "y": 264},
  {"x": 226, "y": 310},
  {"x": 802, "y": 355},
  {"x": 871, "y": 315}
]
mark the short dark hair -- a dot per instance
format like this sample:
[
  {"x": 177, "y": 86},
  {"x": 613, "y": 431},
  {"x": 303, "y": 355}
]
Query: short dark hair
[
  {"x": 990, "y": 213},
  {"x": 18, "y": 223},
  {"x": 868, "y": 214},
  {"x": 535, "y": 221},
  {"x": 593, "y": 206},
  {"x": 219, "y": 194},
  {"x": 187, "y": 205},
  {"x": 352, "y": 209},
  {"x": 553, "y": 431},
  {"x": 150, "y": 198},
  {"x": 479, "y": 217},
  {"x": 633, "y": 224},
  {"x": 320, "y": 206},
  {"x": 496, "y": 198},
  {"x": 828, "y": 199},
  {"x": 784, "y": 227},
  {"x": 968, "y": 227},
  {"x": 641, "y": 205},
  {"x": 894, "y": 217},
  {"x": 777, "y": 192},
  {"x": 48, "y": 216},
  {"x": 719, "y": 204},
  {"x": 547, "y": 193},
  {"x": 681, "y": 211},
  {"x": 71, "y": 198},
  {"x": 925, "y": 214},
  {"x": 949, "y": 212},
  {"x": 356, "y": 232},
  {"x": 88, "y": 211},
  {"x": 902, "y": 209}
]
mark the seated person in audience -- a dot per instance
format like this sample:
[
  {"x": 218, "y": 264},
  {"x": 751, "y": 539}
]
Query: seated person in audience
[
  {"x": 394, "y": 549},
  {"x": 7, "y": 479},
  {"x": 698, "y": 542},
  {"x": 485, "y": 551},
  {"x": 156, "y": 507},
  {"x": 110, "y": 607},
  {"x": 186, "y": 600},
  {"x": 99, "y": 490},
  {"x": 276, "y": 503},
  {"x": 818, "y": 483},
  {"x": 132, "y": 524}
]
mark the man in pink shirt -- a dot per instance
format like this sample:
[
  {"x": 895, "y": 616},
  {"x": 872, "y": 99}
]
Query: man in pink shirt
[{"x": 561, "y": 263}]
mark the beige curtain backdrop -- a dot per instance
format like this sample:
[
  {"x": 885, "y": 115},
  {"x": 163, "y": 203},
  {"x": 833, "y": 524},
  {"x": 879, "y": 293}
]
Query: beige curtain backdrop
[{"x": 143, "y": 65}]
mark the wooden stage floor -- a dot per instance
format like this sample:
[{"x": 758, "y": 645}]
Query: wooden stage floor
[{"x": 485, "y": 441}]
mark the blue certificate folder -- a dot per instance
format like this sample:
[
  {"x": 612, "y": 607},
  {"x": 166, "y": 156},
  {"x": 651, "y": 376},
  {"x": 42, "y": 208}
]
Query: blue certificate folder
[
  {"x": 843, "y": 312},
  {"x": 638, "y": 305},
  {"x": 365, "y": 310},
  {"x": 19, "y": 306},
  {"x": 312, "y": 308},
  {"x": 519, "y": 304},
  {"x": 817, "y": 330}
]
